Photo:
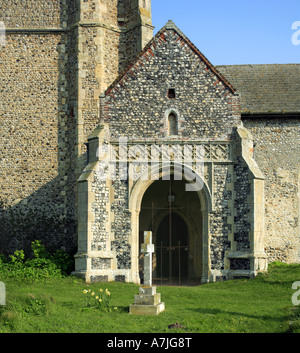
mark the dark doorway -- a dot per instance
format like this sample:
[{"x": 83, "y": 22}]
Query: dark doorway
[
  {"x": 172, "y": 249},
  {"x": 173, "y": 215}
]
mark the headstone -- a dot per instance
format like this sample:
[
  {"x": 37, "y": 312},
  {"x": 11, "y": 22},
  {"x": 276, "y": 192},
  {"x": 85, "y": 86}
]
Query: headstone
[
  {"x": 2, "y": 294},
  {"x": 148, "y": 302},
  {"x": 148, "y": 250}
]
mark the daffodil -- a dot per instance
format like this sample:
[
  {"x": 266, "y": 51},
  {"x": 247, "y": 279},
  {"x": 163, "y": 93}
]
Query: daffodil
[
  {"x": 85, "y": 291},
  {"x": 101, "y": 290},
  {"x": 100, "y": 300},
  {"x": 92, "y": 293},
  {"x": 97, "y": 297}
]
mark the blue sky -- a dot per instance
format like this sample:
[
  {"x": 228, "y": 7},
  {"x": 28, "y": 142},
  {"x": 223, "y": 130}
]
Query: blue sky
[{"x": 235, "y": 31}]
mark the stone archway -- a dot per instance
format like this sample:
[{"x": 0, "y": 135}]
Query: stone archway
[{"x": 192, "y": 207}]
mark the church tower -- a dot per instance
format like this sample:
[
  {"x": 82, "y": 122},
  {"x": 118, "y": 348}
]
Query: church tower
[
  {"x": 59, "y": 57},
  {"x": 109, "y": 35}
]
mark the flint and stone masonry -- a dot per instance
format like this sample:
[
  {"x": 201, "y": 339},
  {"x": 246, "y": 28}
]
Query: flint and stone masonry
[
  {"x": 81, "y": 75},
  {"x": 226, "y": 218}
]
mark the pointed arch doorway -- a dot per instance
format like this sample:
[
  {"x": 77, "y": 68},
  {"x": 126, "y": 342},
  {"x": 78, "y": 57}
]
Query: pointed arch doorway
[{"x": 175, "y": 218}]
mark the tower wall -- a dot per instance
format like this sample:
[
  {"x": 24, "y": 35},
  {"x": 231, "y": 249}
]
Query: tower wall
[{"x": 58, "y": 57}]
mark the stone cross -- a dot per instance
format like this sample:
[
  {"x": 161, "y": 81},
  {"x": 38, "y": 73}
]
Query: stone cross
[
  {"x": 148, "y": 301},
  {"x": 148, "y": 250},
  {"x": 2, "y": 294}
]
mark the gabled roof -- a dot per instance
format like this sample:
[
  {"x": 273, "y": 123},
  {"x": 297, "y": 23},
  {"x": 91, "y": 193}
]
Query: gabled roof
[
  {"x": 264, "y": 89},
  {"x": 160, "y": 36}
]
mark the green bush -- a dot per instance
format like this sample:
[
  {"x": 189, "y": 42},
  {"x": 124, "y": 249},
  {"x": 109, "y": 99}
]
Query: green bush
[
  {"x": 42, "y": 265},
  {"x": 62, "y": 260},
  {"x": 278, "y": 264}
]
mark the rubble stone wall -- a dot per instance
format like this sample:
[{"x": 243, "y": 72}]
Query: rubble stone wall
[{"x": 277, "y": 146}]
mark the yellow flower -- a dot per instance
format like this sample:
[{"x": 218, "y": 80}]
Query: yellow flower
[
  {"x": 108, "y": 293},
  {"x": 100, "y": 300},
  {"x": 92, "y": 293},
  {"x": 101, "y": 290},
  {"x": 85, "y": 291},
  {"x": 89, "y": 290},
  {"x": 97, "y": 297}
]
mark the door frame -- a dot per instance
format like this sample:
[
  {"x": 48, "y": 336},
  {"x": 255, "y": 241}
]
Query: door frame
[{"x": 136, "y": 193}]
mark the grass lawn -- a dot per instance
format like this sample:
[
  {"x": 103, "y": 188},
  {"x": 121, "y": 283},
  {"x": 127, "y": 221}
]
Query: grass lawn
[{"x": 259, "y": 305}]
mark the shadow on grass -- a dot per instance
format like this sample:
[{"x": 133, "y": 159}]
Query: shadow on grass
[
  {"x": 117, "y": 309},
  {"x": 123, "y": 309},
  {"x": 263, "y": 317}
]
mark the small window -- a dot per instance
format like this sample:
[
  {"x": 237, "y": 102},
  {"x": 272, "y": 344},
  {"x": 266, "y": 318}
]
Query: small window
[
  {"x": 171, "y": 93},
  {"x": 173, "y": 125}
]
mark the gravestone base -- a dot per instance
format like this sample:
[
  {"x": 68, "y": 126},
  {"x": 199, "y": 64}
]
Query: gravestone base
[{"x": 147, "y": 303}]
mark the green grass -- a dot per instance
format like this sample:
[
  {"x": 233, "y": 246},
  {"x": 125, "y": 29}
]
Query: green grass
[{"x": 259, "y": 305}]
